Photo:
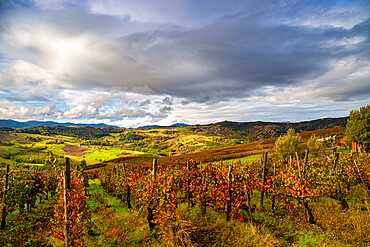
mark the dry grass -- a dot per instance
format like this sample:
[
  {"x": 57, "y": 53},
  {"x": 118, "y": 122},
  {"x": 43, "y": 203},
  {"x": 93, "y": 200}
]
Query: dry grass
[
  {"x": 178, "y": 236},
  {"x": 350, "y": 226}
]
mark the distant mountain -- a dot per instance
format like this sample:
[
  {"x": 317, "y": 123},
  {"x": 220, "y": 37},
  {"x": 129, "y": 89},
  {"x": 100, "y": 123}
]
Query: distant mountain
[
  {"x": 30, "y": 124},
  {"x": 159, "y": 126},
  {"x": 179, "y": 125},
  {"x": 148, "y": 127}
]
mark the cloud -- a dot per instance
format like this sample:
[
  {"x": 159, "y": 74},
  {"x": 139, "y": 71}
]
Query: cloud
[
  {"x": 145, "y": 102},
  {"x": 10, "y": 110},
  {"x": 125, "y": 60},
  {"x": 165, "y": 109},
  {"x": 232, "y": 57}
]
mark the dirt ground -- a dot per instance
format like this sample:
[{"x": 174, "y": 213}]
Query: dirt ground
[{"x": 74, "y": 150}]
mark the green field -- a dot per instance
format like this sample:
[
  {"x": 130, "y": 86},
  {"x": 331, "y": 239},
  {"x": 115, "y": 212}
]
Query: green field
[{"x": 244, "y": 159}]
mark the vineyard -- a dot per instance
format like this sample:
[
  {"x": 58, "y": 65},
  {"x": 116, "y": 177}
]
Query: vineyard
[
  {"x": 179, "y": 204},
  {"x": 289, "y": 188}
]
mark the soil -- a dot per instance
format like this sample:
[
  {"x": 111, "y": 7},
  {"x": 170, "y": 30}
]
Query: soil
[{"x": 75, "y": 150}]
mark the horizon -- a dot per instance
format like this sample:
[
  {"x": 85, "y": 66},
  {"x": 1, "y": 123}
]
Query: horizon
[
  {"x": 140, "y": 126},
  {"x": 141, "y": 63}
]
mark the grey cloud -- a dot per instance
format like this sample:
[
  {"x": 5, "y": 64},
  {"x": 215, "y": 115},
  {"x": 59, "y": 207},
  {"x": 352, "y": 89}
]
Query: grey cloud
[
  {"x": 101, "y": 100},
  {"x": 131, "y": 113},
  {"x": 167, "y": 100},
  {"x": 239, "y": 57},
  {"x": 34, "y": 98},
  {"x": 145, "y": 102},
  {"x": 158, "y": 116},
  {"x": 165, "y": 109}
]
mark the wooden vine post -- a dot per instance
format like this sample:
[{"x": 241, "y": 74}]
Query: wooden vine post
[
  {"x": 299, "y": 166},
  {"x": 366, "y": 187},
  {"x": 343, "y": 201},
  {"x": 204, "y": 202},
  {"x": 229, "y": 193},
  {"x": 3, "y": 217},
  {"x": 274, "y": 188},
  {"x": 250, "y": 213},
  {"x": 66, "y": 186},
  {"x": 114, "y": 171},
  {"x": 188, "y": 192},
  {"x": 154, "y": 172},
  {"x": 305, "y": 162},
  {"x": 150, "y": 217},
  {"x": 68, "y": 171},
  {"x": 264, "y": 172},
  {"x": 307, "y": 210},
  {"x": 128, "y": 190}
]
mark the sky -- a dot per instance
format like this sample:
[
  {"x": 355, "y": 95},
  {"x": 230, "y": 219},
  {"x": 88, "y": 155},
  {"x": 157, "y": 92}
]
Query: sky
[{"x": 144, "y": 62}]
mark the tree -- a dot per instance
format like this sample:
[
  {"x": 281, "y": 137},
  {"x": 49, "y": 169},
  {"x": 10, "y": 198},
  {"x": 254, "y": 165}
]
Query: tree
[
  {"x": 289, "y": 144},
  {"x": 315, "y": 145},
  {"x": 358, "y": 126}
]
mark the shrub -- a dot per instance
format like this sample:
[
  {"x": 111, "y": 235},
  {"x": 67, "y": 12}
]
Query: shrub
[
  {"x": 288, "y": 144},
  {"x": 315, "y": 145}
]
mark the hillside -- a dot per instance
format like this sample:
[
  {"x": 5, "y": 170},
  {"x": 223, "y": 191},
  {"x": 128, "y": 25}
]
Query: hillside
[
  {"x": 259, "y": 131},
  {"x": 216, "y": 154},
  {"x": 200, "y": 142},
  {"x": 242, "y": 131}
]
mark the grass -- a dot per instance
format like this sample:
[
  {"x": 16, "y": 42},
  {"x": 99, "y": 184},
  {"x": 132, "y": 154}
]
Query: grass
[
  {"x": 99, "y": 155},
  {"x": 8, "y": 149},
  {"x": 212, "y": 229},
  {"x": 244, "y": 159},
  {"x": 31, "y": 164},
  {"x": 80, "y": 158},
  {"x": 40, "y": 144},
  {"x": 112, "y": 224},
  {"x": 30, "y": 229},
  {"x": 103, "y": 155},
  {"x": 196, "y": 139},
  {"x": 56, "y": 148},
  {"x": 6, "y": 161},
  {"x": 132, "y": 152},
  {"x": 351, "y": 226}
]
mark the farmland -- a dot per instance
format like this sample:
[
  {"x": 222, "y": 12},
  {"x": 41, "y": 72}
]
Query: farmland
[{"x": 154, "y": 143}]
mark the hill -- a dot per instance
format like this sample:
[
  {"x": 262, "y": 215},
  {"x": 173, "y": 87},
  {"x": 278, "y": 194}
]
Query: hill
[
  {"x": 259, "y": 131},
  {"x": 158, "y": 126},
  {"x": 31, "y": 124},
  {"x": 217, "y": 154}
]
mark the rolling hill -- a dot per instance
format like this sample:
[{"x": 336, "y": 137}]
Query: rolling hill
[{"x": 259, "y": 131}]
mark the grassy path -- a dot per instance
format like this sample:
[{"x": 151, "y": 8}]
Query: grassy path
[{"x": 112, "y": 223}]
